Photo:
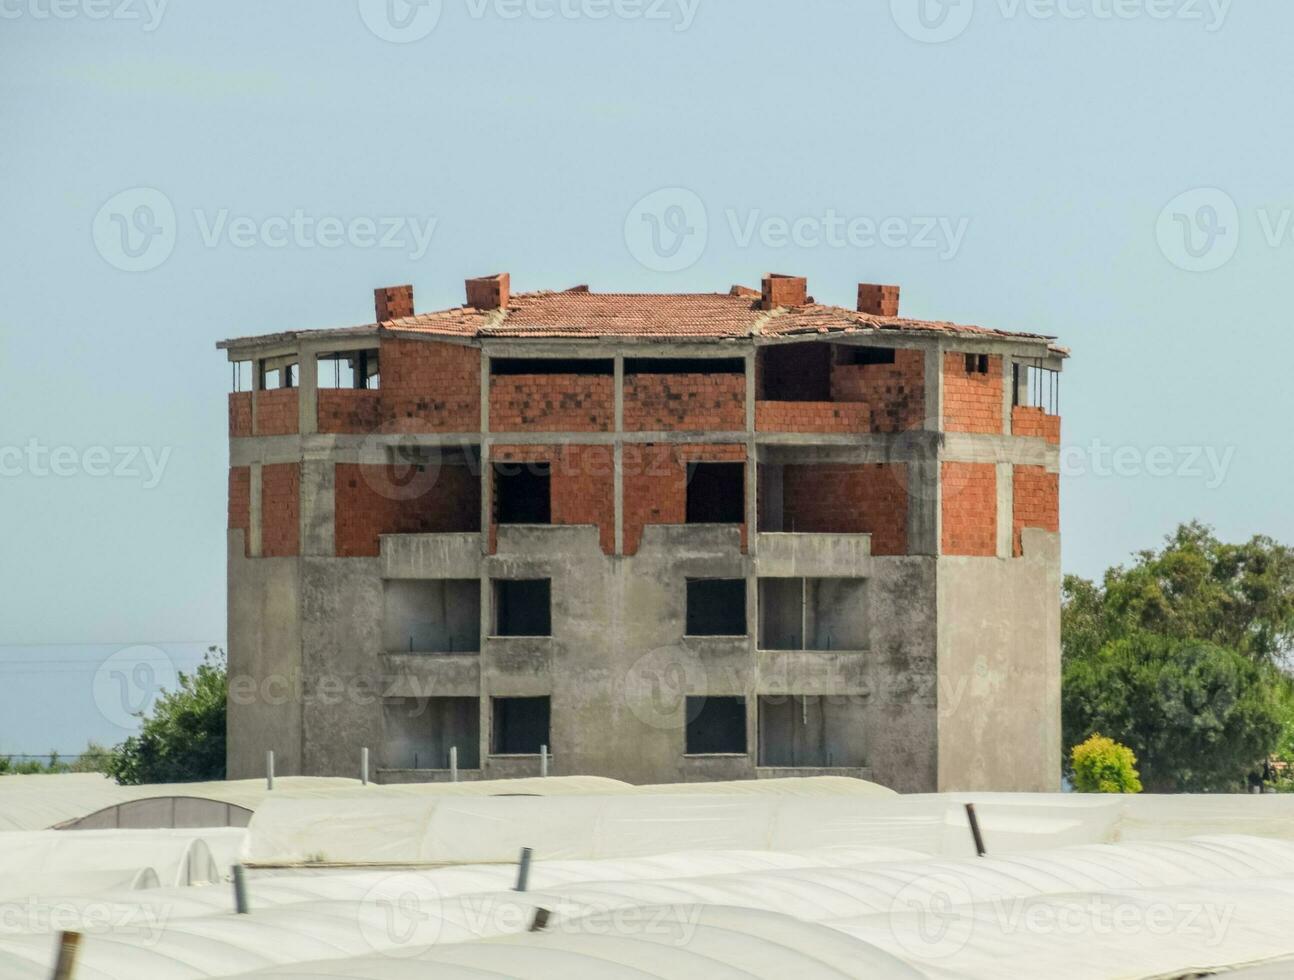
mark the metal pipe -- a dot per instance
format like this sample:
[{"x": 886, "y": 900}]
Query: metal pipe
[
  {"x": 69, "y": 945},
  {"x": 453, "y": 763},
  {"x": 523, "y": 870},
  {"x": 240, "y": 891},
  {"x": 543, "y": 760},
  {"x": 974, "y": 826},
  {"x": 269, "y": 769},
  {"x": 363, "y": 765}
]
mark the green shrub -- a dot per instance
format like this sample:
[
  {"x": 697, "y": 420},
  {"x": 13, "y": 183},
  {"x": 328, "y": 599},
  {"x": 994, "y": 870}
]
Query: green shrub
[{"x": 1102, "y": 765}]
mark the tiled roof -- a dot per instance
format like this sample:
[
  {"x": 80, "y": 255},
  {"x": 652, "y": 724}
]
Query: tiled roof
[{"x": 666, "y": 316}]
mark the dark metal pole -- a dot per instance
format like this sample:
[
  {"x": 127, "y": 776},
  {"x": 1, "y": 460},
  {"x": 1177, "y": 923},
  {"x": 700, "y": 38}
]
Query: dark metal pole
[
  {"x": 974, "y": 826},
  {"x": 523, "y": 870}
]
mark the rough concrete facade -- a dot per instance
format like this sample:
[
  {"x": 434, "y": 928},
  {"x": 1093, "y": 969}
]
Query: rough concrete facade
[{"x": 543, "y": 520}]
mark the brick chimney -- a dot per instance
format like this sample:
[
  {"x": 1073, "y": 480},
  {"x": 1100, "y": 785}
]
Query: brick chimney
[
  {"x": 780, "y": 290},
  {"x": 489, "y": 292},
  {"x": 393, "y": 302},
  {"x": 878, "y": 300}
]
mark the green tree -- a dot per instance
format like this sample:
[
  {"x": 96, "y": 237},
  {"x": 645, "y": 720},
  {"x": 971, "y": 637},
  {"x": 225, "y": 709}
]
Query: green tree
[
  {"x": 1102, "y": 765},
  {"x": 184, "y": 739},
  {"x": 1199, "y": 717},
  {"x": 95, "y": 758},
  {"x": 1194, "y": 588}
]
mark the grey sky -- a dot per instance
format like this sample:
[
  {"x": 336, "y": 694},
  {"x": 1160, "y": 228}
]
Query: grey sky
[{"x": 1039, "y": 169}]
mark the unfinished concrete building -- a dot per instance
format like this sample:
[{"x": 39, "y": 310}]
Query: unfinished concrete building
[{"x": 659, "y": 537}]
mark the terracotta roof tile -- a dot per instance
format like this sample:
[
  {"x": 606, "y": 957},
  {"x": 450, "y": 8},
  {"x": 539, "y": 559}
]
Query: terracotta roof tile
[{"x": 681, "y": 316}]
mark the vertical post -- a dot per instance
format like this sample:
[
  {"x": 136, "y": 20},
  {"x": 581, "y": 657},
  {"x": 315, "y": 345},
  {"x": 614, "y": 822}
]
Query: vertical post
[
  {"x": 69, "y": 945},
  {"x": 543, "y": 760},
  {"x": 523, "y": 870},
  {"x": 240, "y": 891},
  {"x": 269, "y": 769},
  {"x": 974, "y": 826},
  {"x": 363, "y": 765},
  {"x": 453, "y": 763}
]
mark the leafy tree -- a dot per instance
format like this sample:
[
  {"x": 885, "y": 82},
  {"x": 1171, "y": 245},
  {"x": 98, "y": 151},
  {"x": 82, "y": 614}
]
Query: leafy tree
[
  {"x": 1195, "y": 588},
  {"x": 95, "y": 758},
  {"x": 1102, "y": 765},
  {"x": 31, "y": 767},
  {"x": 1199, "y": 717},
  {"x": 184, "y": 740}
]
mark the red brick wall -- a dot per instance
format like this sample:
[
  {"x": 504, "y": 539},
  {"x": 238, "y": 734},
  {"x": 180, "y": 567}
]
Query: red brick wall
[
  {"x": 969, "y": 508},
  {"x": 240, "y": 501},
  {"x": 1026, "y": 421},
  {"x": 376, "y": 499},
  {"x": 354, "y": 410},
  {"x": 867, "y": 498},
  {"x": 240, "y": 413},
  {"x": 552, "y": 403},
  {"x": 276, "y": 412},
  {"x": 972, "y": 401},
  {"x": 655, "y": 484},
  {"x": 280, "y": 510},
  {"x": 430, "y": 387},
  {"x": 1036, "y": 497},
  {"x": 895, "y": 393},
  {"x": 666, "y": 402},
  {"x": 812, "y": 417},
  {"x": 582, "y": 485}
]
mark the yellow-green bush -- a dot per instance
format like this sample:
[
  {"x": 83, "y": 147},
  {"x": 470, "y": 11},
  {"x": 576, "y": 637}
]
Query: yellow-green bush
[{"x": 1102, "y": 765}]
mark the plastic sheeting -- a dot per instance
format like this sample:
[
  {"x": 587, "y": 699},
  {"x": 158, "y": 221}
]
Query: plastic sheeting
[
  {"x": 178, "y": 857},
  {"x": 447, "y": 830},
  {"x": 1127, "y": 910}
]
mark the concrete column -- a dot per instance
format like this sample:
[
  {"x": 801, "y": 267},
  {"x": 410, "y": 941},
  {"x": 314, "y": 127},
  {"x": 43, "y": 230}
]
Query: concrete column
[
  {"x": 934, "y": 371},
  {"x": 307, "y": 391},
  {"x": 318, "y": 506},
  {"x": 256, "y": 390},
  {"x": 618, "y": 454},
  {"x": 254, "y": 511},
  {"x": 752, "y": 461},
  {"x": 487, "y": 505},
  {"x": 1008, "y": 392},
  {"x": 1005, "y": 509}
]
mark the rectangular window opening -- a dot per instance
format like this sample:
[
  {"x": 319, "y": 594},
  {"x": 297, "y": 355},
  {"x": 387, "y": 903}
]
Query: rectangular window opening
[
  {"x": 523, "y": 493},
  {"x": 795, "y": 372},
  {"x": 355, "y": 369},
  {"x": 421, "y": 731},
  {"x": 977, "y": 364},
  {"x": 716, "y": 493},
  {"x": 826, "y": 614},
  {"x": 521, "y": 726},
  {"x": 811, "y": 731},
  {"x": 278, "y": 374},
  {"x": 434, "y": 616},
  {"x": 241, "y": 379},
  {"x": 863, "y": 356},
  {"x": 551, "y": 365},
  {"x": 716, "y": 726},
  {"x": 685, "y": 365},
  {"x": 716, "y": 607},
  {"x": 523, "y": 607}
]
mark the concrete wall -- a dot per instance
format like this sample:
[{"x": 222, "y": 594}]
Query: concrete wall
[{"x": 999, "y": 670}]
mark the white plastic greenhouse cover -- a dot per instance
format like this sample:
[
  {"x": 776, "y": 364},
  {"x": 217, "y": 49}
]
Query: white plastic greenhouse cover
[
  {"x": 178, "y": 857},
  {"x": 446, "y": 830},
  {"x": 1128, "y": 910}
]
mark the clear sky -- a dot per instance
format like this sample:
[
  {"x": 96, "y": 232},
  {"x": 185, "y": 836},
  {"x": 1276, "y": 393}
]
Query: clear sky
[{"x": 1114, "y": 172}]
